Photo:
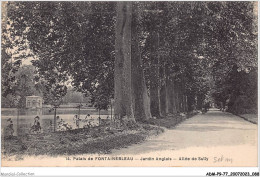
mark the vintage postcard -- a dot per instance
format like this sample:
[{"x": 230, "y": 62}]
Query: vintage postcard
[{"x": 129, "y": 84}]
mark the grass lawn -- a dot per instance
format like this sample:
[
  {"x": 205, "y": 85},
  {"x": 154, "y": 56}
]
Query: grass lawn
[
  {"x": 96, "y": 140},
  {"x": 170, "y": 121},
  {"x": 253, "y": 118}
]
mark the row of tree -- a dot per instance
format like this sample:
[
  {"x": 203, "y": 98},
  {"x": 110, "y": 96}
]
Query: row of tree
[{"x": 153, "y": 58}]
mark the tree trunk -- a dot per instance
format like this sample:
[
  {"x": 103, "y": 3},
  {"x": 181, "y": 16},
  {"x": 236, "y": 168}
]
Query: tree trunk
[
  {"x": 185, "y": 107},
  {"x": 141, "y": 100},
  {"x": 190, "y": 101},
  {"x": 181, "y": 101},
  {"x": 163, "y": 94},
  {"x": 177, "y": 97},
  {"x": 169, "y": 97},
  {"x": 163, "y": 100},
  {"x": 154, "y": 77},
  {"x": 172, "y": 97},
  {"x": 183, "y": 95},
  {"x": 123, "y": 90},
  {"x": 199, "y": 102}
]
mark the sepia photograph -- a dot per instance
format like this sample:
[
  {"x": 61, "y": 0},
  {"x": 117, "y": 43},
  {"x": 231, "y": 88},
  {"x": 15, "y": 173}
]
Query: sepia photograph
[{"x": 129, "y": 84}]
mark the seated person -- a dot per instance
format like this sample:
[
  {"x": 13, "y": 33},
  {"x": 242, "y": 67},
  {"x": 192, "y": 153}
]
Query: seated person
[{"x": 37, "y": 124}]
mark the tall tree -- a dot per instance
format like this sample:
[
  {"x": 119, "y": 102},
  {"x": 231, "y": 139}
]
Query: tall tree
[
  {"x": 142, "y": 109},
  {"x": 123, "y": 78}
]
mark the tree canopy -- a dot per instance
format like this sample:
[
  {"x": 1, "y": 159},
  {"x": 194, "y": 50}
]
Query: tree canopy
[{"x": 185, "y": 53}]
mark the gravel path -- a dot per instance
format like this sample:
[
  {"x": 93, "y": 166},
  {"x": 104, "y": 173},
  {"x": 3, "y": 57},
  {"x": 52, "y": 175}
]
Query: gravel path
[{"x": 220, "y": 136}]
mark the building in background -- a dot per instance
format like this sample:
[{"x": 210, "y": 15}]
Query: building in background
[{"x": 33, "y": 102}]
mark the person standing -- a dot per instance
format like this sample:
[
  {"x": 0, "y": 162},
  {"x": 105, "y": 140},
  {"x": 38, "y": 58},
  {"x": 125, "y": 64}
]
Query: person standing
[{"x": 76, "y": 119}]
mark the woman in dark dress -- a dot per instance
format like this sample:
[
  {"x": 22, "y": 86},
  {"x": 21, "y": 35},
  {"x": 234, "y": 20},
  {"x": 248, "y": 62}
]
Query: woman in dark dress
[{"x": 36, "y": 128}]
